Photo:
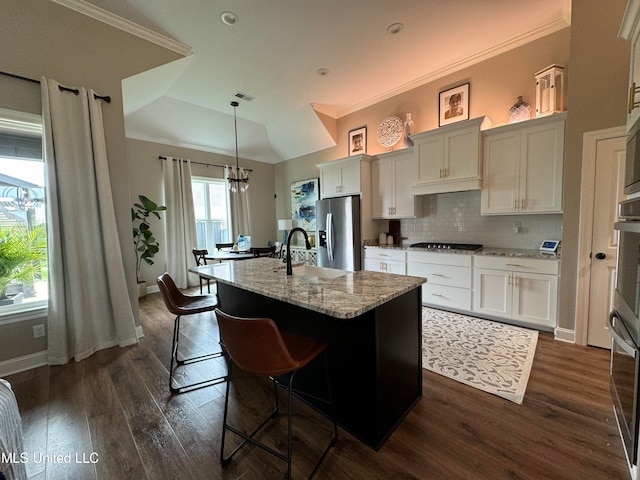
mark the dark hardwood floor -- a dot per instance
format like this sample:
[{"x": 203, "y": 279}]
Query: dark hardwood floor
[{"x": 116, "y": 405}]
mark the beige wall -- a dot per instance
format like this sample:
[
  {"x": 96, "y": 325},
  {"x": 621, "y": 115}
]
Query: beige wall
[
  {"x": 597, "y": 100},
  {"x": 42, "y": 38},
  {"x": 596, "y": 66},
  {"x": 495, "y": 85},
  {"x": 145, "y": 178}
]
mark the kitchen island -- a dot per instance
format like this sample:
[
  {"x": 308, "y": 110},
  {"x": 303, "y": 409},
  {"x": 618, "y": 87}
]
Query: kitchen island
[{"x": 371, "y": 321}]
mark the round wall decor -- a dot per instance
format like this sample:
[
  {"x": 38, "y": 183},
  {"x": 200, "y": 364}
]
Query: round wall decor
[{"x": 390, "y": 131}]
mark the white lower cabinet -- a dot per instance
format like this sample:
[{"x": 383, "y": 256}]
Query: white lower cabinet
[
  {"x": 521, "y": 289},
  {"x": 448, "y": 278},
  {"x": 385, "y": 260}
]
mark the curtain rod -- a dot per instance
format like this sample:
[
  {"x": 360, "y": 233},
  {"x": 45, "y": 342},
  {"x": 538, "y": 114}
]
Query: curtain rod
[
  {"x": 106, "y": 98},
  {"x": 205, "y": 164}
]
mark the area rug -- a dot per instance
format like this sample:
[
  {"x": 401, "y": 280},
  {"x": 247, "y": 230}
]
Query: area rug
[{"x": 491, "y": 356}]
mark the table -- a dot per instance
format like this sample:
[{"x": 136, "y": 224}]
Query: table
[
  {"x": 227, "y": 254},
  {"x": 371, "y": 321}
]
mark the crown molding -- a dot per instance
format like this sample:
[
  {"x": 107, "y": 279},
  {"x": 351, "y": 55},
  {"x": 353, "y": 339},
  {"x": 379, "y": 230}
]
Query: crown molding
[
  {"x": 125, "y": 25},
  {"x": 515, "y": 42}
]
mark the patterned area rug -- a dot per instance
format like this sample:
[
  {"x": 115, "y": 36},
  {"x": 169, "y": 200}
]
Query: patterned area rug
[{"x": 491, "y": 356}]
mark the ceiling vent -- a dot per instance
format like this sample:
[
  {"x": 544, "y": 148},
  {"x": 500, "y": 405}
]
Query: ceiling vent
[{"x": 243, "y": 96}]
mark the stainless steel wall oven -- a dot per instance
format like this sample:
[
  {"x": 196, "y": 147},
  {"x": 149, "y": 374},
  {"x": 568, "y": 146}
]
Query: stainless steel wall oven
[{"x": 624, "y": 324}]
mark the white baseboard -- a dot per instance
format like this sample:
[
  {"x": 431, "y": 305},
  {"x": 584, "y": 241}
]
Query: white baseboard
[
  {"x": 152, "y": 288},
  {"x": 20, "y": 364},
  {"x": 565, "y": 335}
]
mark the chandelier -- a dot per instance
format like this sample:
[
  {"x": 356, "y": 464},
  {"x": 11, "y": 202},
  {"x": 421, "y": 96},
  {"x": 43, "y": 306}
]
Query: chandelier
[{"x": 239, "y": 178}]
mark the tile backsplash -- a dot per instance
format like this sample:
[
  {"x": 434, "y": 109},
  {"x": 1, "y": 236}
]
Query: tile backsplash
[{"x": 455, "y": 217}]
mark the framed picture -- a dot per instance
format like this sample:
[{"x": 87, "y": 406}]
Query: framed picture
[
  {"x": 358, "y": 141},
  {"x": 304, "y": 194},
  {"x": 454, "y": 105}
]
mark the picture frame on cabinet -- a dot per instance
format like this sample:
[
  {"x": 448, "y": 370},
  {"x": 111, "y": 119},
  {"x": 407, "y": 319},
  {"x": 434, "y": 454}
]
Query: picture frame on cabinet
[
  {"x": 453, "y": 105},
  {"x": 358, "y": 141}
]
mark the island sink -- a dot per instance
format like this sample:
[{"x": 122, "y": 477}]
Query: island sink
[{"x": 310, "y": 270}]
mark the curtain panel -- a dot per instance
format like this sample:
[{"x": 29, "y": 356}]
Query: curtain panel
[
  {"x": 238, "y": 202},
  {"x": 89, "y": 304},
  {"x": 180, "y": 221}
]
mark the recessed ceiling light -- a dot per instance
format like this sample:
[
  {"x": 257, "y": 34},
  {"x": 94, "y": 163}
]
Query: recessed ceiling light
[
  {"x": 229, "y": 18},
  {"x": 394, "y": 28},
  {"x": 322, "y": 71}
]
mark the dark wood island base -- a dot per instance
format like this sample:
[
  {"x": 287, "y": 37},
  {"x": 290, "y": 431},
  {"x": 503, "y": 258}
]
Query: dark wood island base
[{"x": 375, "y": 359}]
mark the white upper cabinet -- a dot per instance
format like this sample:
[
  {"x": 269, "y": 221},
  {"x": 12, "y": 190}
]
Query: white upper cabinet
[
  {"x": 447, "y": 159},
  {"x": 523, "y": 167},
  {"x": 344, "y": 177},
  {"x": 630, "y": 30},
  {"x": 391, "y": 179}
]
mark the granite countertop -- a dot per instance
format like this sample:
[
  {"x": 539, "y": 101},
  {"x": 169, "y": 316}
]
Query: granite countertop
[
  {"x": 497, "y": 252},
  {"x": 346, "y": 296}
]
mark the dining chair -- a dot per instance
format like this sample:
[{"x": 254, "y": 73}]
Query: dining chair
[
  {"x": 257, "y": 346},
  {"x": 263, "y": 251},
  {"x": 180, "y": 305},
  {"x": 201, "y": 259},
  {"x": 220, "y": 246}
]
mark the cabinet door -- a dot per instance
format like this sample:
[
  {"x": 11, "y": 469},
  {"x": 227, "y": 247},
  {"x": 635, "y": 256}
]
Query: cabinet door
[
  {"x": 405, "y": 202},
  {"x": 501, "y": 178},
  {"x": 382, "y": 188},
  {"x": 492, "y": 292},
  {"x": 350, "y": 177},
  {"x": 461, "y": 154},
  {"x": 428, "y": 157},
  {"x": 385, "y": 266},
  {"x": 330, "y": 181},
  {"x": 541, "y": 169},
  {"x": 535, "y": 298},
  {"x": 373, "y": 264}
]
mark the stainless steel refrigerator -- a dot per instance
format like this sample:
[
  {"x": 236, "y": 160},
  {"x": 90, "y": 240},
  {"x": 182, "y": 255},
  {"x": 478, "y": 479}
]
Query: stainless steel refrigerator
[{"x": 338, "y": 233}]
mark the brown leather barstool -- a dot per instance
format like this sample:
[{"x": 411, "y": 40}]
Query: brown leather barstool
[
  {"x": 257, "y": 346},
  {"x": 180, "y": 304}
]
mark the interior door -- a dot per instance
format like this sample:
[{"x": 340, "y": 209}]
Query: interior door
[{"x": 608, "y": 191}]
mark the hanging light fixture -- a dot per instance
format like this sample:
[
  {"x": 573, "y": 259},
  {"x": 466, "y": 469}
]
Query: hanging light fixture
[{"x": 239, "y": 178}]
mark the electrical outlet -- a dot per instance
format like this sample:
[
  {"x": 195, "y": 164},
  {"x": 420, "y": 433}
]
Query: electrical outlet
[{"x": 38, "y": 331}]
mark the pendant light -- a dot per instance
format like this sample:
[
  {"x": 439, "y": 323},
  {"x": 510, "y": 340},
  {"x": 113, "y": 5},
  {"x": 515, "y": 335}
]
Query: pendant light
[{"x": 239, "y": 178}]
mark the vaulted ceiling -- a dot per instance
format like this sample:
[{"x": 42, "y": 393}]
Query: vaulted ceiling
[{"x": 300, "y": 59}]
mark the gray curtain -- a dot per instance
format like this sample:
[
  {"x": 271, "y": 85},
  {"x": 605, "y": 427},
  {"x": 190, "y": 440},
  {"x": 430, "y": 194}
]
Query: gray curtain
[
  {"x": 181, "y": 221},
  {"x": 89, "y": 304}
]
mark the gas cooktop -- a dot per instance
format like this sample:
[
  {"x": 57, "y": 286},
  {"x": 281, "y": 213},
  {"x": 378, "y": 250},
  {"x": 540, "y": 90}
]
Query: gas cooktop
[{"x": 448, "y": 246}]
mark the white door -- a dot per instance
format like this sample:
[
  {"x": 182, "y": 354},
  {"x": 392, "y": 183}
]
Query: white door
[{"x": 608, "y": 191}]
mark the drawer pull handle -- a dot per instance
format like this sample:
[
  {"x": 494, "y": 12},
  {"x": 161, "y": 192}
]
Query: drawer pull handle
[
  {"x": 515, "y": 265},
  {"x": 437, "y": 275},
  {"x": 437, "y": 295}
]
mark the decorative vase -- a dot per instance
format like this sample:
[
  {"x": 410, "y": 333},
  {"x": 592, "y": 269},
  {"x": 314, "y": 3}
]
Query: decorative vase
[
  {"x": 408, "y": 128},
  {"x": 520, "y": 111}
]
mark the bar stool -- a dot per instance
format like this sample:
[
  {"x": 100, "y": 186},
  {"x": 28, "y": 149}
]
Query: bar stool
[
  {"x": 200, "y": 256},
  {"x": 257, "y": 346},
  {"x": 180, "y": 304}
]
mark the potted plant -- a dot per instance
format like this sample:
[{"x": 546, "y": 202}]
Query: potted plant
[
  {"x": 22, "y": 250},
  {"x": 146, "y": 246}
]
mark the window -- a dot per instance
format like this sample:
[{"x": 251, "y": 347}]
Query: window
[
  {"x": 212, "y": 212},
  {"x": 23, "y": 247}
]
